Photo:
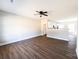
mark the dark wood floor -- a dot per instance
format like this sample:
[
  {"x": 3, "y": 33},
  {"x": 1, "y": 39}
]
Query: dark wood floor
[{"x": 38, "y": 48}]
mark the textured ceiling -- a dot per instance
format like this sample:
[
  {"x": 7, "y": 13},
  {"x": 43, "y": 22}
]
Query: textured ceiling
[{"x": 57, "y": 9}]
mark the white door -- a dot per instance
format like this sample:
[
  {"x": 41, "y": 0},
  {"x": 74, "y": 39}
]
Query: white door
[{"x": 44, "y": 29}]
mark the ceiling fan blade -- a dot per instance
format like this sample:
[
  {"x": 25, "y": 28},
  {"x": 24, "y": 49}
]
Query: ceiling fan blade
[
  {"x": 37, "y": 11},
  {"x": 46, "y": 15},
  {"x": 45, "y": 12}
]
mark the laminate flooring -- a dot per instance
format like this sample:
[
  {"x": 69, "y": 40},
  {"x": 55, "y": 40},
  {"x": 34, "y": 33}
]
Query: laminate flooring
[{"x": 40, "y": 47}]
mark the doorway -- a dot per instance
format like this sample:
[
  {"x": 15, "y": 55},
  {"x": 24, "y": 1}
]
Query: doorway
[{"x": 44, "y": 30}]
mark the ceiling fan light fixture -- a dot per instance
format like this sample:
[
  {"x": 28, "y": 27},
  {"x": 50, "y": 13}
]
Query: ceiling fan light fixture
[{"x": 42, "y": 13}]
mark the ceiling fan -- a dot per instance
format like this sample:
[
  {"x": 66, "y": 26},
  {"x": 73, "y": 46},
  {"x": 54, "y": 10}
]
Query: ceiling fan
[{"x": 42, "y": 13}]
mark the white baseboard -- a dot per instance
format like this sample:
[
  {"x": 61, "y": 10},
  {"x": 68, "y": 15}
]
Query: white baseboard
[
  {"x": 9, "y": 42},
  {"x": 58, "y": 38}
]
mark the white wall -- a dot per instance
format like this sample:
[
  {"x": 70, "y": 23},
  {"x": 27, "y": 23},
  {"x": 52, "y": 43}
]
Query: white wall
[
  {"x": 77, "y": 49},
  {"x": 16, "y": 28},
  {"x": 67, "y": 33}
]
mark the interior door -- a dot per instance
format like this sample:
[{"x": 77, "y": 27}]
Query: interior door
[{"x": 44, "y": 29}]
